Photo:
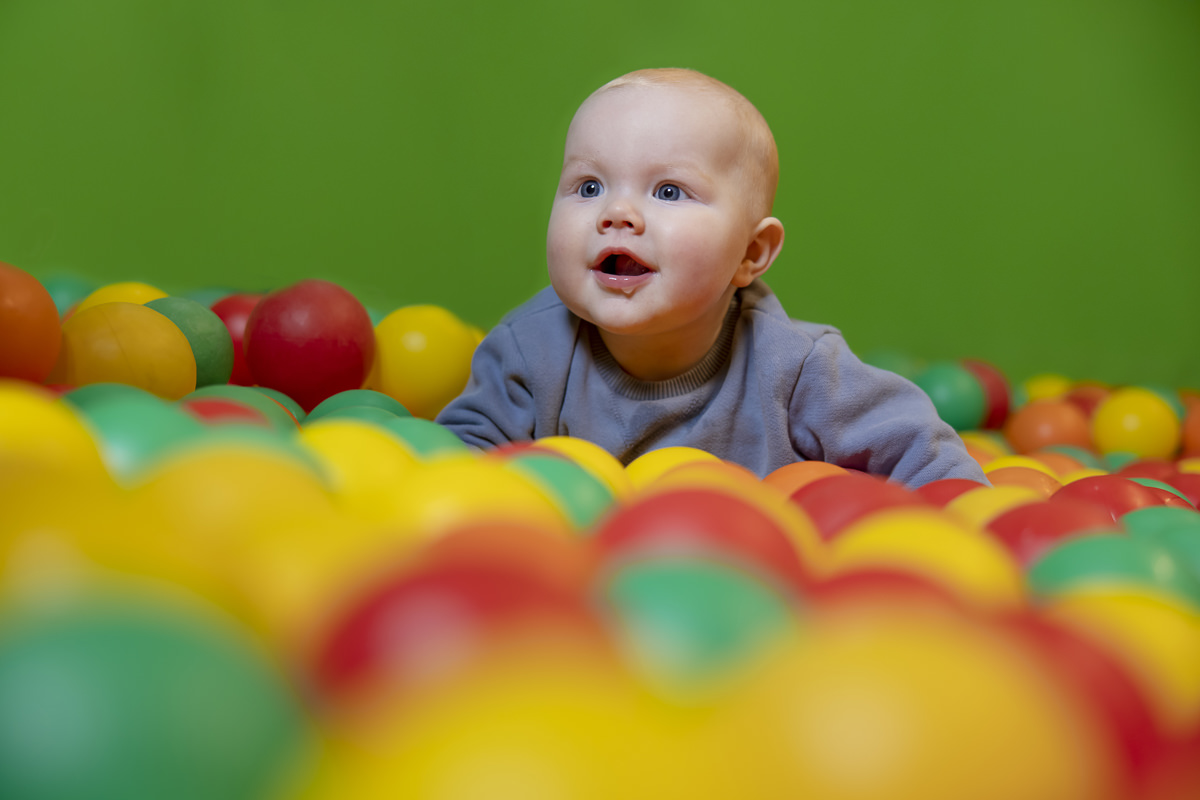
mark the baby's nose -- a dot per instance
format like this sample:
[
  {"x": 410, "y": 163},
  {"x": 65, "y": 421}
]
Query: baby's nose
[{"x": 620, "y": 214}]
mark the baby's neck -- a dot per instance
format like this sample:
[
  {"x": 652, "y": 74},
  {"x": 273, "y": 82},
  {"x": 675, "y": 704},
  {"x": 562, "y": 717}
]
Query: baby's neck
[{"x": 668, "y": 355}]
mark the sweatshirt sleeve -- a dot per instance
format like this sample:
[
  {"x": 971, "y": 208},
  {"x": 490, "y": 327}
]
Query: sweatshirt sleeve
[
  {"x": 497, "y": 405},
  {"x": 861, "y": 417}
]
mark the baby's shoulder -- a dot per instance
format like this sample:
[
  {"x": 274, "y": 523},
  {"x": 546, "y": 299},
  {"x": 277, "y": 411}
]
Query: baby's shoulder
[
  {"x": 763, "y": 311},
  {"x": 541, "y": 313}
]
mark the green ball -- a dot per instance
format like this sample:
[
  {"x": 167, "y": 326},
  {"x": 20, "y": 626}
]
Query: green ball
[
  {"x": 206, "y": 333},
  {"x": 1156, "y": 519},
  {"x": 425, "y": 438},
  {"x": 1112, "y": 559},
  {"x": 114, "y": 700},
  {"x": 581, "y": 497},
  {"x": 66, "y": 289},
  {"x": 283, "y": 400},
  {"x": 687, "y": 621},
  {"x": 276, "y": 414},
  {"x": 358, "y": 397},
  {"x": 956, "y": 394},
  {"x": 1166, "y": 487},
  {"x": 133, "y": 428}
]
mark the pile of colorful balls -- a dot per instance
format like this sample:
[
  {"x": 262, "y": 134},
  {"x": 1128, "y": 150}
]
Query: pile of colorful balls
[{"x": 263, "y": 589}]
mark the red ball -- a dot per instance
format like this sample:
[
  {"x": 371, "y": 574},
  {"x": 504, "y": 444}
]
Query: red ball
[
  {"x": 310, "y": 341},
  {"x": 1191, "y": 431},
  {"x": 1086, "y": 396},
  {"x": 1116, "y": 494},
  {"x": 941, "y": 492},
  {"x": 1188, "y": 483},
  {"x": 1031, "y": 529},
  {"x": 219, "y": 411},
  {"x": 996, "y": 392},
  {"x": 234, "y": 310},
  {"x": 833, "y": 503},
  {"x": 30, "y": 332},
  {"x": 417, "y": 628},
  {"x": 701, "y": 521},
  {"x": 1158, "y": 469}
]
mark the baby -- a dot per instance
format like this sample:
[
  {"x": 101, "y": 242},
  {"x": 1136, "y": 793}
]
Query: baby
[{"x": 657, "y": 328}]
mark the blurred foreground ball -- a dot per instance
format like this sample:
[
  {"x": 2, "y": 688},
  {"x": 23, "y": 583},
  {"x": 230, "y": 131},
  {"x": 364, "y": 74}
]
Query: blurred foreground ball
[
  {"x": 125, "y": 343},
  {"x": 30, "y": 336},
  {"x": 310, "y": 340},
  {"x": 423, "y": 358},
  {"x": 106, "y": 700}
]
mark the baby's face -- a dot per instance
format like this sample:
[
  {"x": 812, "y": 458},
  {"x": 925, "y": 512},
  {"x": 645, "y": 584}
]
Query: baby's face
[{"x": 651, "y": 219}]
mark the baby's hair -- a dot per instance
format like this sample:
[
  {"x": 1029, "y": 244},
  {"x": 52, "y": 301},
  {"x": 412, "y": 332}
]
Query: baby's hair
[{"x": 760, "y": 156}]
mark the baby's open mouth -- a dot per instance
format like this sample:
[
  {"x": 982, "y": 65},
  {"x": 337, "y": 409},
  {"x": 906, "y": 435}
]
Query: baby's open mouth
[{"x": 621, "y": 264}]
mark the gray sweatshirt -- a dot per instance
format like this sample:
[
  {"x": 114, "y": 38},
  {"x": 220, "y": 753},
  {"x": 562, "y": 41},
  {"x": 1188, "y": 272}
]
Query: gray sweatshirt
[{"x": 771, "y": 391}]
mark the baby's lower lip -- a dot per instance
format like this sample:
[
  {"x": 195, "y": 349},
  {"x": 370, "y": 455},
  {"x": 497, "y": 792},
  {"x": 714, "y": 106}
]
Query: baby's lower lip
[{"x": 621, "y": 282}]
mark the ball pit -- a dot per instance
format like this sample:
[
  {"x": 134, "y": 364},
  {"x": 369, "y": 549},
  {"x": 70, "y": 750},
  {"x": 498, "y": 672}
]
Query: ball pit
[{"x": 393, "y": 614}]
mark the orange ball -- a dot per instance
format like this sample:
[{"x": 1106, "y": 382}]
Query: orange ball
[
  {"x": 791, "y": 477},
  {"x": 29, "y": 326},
  {"x": 1025, "y": 476},
  {"x": 1044, "y": 423},
  {"x": 1191, "y": 432}
]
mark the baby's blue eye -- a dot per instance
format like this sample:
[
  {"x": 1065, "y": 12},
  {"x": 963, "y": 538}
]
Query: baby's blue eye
[
  {"x": 668, "y": 191},
  {"x": 589, "y": 189}
]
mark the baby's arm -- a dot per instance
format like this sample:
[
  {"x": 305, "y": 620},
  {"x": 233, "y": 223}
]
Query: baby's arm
[
  {"x": 852, "y": 414},
  {"x": 496, "y": 406}
]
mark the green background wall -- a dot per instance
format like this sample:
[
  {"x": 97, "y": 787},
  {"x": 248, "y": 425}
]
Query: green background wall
[{"x": 1017, "y": 181}]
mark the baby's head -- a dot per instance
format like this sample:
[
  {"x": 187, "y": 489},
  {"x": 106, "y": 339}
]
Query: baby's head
[
  {"x": 663, "y": 207},
  {"x": 758, "y": 159}
]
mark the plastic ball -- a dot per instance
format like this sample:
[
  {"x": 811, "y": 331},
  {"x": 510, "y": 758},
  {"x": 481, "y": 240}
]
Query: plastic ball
[
  {"x": 114, "y": 699},
  {"x": 652, "y": 465},
  {"x": 592, "y": 457},
  {"x": 1191, "y": 432},
  {"x": 423, "y": 358},
  {"x": 888, "y": 706},
  {"x": 941, "y": 492},
  {"x": 1046, "y": 386},
  {"x": 218, "y": 411},
  {"x": 997, "y": 394},
  {"x": 234, "y": 310},
  {"x": 1045, "y": 423},
  {"x": 1108, "y": 560},
  {"x": 714, "y": 523},
  {"x": 29, "y": 326},
  {"x": 134, "y": 292},
  {"x": 1030, "y": 529},
  {"x": 277, "y": 414},
  {"x": 1118, "y": 495},
  {"x": 1136, "y": 420},
  {"x": 211, "y": 344},
  {"x": 1156, "y": 636},
  {"x": 357, "y": 397},
  {"x": 40, "y": 433},
  {"x": 1024, "y": 476},
  {"x": 956, "y": 394},
  {"x": 834, "y": 502},
  {"x": 424, "y": 438},
  {"x": 790, "y": 478},
  {"x": 979, "y": 506},
  {"x": 1086, "y": 396},
  {"x": 582, "y": 497},
  {"x": 125, "y": 343},
  {"x": 934, "y": 545},
  {"x": 688, "y": 624},
  {"x": 67, "y": 289},
  {"x": 309, "y": 340}
]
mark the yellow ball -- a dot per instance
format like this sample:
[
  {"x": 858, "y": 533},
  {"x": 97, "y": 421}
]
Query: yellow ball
[
  {"x": 40, "y": 432},
  {"x": 422, "y": 358},
  {"x": 1136, "y": 420},
  {"x": 649, "y": 467},
  {"x": 540, "y": 727},
  {"x": 124, "y": 292},
  {"x": 1047, "y": 386},
  {"x": 599, "y": 463},
  {"x": 884, "y": 706},
  {"x": 1018, "y": 461},
  {"x": 363, "y": 464},
  {"x": 965, "y": 560},
  {"x": 1156, "y": 637},
  {"x": 458, "y": 490},
  {"x": 126, "y": 343},
  {"x": 978, "y": 507},
  {"x": 988, "y": 441}
]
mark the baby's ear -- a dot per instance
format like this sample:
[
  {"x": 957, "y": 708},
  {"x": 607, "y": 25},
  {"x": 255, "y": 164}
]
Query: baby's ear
[{"x": 764, "y": 246}]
